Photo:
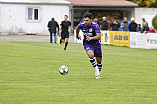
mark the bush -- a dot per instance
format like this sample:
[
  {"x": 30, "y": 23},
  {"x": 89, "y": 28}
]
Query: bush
[{"x": 154, "y": 22}]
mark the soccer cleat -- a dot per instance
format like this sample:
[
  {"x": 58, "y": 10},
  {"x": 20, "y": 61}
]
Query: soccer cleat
[
  {"x": 96, "y": 71},
  {"x": 98, "y": 76}
]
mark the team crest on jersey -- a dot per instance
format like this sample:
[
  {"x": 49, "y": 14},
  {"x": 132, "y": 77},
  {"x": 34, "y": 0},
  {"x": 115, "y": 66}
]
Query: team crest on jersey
[{"x": 90, "y": 30}]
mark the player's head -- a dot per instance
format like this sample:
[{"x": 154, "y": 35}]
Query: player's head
[
  {"x": 66, "y": 17},
  {"x": 87, "y": 19}
]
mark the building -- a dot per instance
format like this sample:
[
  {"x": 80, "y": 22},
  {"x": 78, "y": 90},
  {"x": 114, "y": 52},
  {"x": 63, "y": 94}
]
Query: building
[
  {"x": 100, "y": 8},
  {"x": 30, "y": 16}
]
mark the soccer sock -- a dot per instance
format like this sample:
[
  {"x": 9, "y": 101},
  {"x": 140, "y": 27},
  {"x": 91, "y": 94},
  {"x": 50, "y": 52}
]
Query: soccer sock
[
  {"x": 93, "y": 62},
  {"x": 99, "y": 66},
  {"x": 66, "y": 43}
]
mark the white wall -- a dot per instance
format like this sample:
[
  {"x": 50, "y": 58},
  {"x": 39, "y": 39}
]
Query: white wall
[
  {"x": 147, "y": 13},
  {"x": 14, "y": 18}
]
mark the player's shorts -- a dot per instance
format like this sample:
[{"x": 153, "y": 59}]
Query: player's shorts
[
  {"x": 96, "y": 48},
  {"x": 64, "y": 35}
]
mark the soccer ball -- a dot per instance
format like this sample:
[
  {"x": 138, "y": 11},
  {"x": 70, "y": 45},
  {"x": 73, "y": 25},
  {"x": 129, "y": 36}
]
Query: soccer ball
[{"x": 63, "y": 70}]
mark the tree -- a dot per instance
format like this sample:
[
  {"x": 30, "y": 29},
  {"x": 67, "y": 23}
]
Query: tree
[
  {"x": 154, "y": 22},
  {"x": 145, "y": 3}
]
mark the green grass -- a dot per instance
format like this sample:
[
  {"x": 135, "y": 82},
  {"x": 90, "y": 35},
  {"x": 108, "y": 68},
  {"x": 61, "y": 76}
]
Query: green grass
[{"x": 29, "y": 75}]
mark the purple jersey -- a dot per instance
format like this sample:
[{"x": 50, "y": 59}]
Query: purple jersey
[
  {"x": 92, "y": 44},
  {"x": 89, "y": 31}
]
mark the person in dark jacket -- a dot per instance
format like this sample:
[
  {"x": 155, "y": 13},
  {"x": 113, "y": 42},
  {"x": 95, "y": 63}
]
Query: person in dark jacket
[
  {"x": 104, "y": 24},
  {"x": 52, "y": 25},
  {"x": 145, "y": 27},
  {"x": 132, "y": 25},
  {"x": 115, "y": 25},
  {"x": 138, "y": 29}
]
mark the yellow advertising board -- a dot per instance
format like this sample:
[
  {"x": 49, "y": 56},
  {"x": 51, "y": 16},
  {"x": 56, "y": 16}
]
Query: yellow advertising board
[
  {"x": 119, "y": 38},
  {"x": 105, "y": 37}
]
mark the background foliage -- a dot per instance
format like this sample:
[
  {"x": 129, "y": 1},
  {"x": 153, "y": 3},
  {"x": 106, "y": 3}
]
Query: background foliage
[
  {"x": 154, "y": 22},
  {"x": 145, "y": 3}
]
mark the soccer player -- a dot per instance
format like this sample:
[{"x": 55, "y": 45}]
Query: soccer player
[
  {"x": 91, "y": 42},
  {"x": 65, "y": 33}
]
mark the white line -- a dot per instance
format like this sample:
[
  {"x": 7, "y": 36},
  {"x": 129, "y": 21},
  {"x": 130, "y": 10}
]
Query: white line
[{"x": 84, "y": 51}]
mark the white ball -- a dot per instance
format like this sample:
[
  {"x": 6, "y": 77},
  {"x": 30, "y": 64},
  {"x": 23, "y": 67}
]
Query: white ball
[{"x": 63, "y": 70}]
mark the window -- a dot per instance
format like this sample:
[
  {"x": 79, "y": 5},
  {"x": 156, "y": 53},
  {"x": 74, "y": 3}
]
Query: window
[{"x": 33, "y": 14}]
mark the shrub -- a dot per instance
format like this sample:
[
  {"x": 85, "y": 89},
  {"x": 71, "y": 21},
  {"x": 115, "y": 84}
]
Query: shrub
[{"x": 154, "y": 22}]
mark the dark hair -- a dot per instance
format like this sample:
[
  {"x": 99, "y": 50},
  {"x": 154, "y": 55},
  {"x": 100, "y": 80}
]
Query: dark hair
[
  {"x": 52, "y": 18},
  {"x": 89, "y": 15},
  {"x": 66, "y": 15}
]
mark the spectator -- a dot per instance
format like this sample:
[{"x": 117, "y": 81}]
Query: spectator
[
  {"x": 132, "y": 25},
  {"x": 145, "y": 27},
  {"x": 96, "y": 20},
  {"x": 115, "y": 25},
  {"x": 125, "y": 24},
  {"x": 138, "y": 29},
  {"x": 52, "y": 29},
  {"x": 151, "y": 30},
  {"x": 143, "y": 20},
  {"x": 104, "y": 24}
]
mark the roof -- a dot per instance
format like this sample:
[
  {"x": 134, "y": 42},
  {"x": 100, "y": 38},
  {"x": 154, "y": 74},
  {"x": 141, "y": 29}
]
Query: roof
[
  {"x": 36, "y": 1},
  {"x": 102, "y": 3}
]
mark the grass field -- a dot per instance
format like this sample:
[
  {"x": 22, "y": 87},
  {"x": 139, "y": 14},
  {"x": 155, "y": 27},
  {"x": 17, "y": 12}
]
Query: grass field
[{"x": 29, "y": 75}]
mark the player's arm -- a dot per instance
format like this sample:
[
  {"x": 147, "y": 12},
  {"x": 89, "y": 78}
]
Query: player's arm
[
  {"x": 77, "y": 33},
  {"x": 97, "y": 37},
  {"x": 60, "y": 30},
  {"x": 71, "y": 28}
]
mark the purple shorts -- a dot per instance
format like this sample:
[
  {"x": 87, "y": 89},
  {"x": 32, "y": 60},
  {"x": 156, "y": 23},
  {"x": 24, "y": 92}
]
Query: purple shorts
[{"x": 95, "y": 47}]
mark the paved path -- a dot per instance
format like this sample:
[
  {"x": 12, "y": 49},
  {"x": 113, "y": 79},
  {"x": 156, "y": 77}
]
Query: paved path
[{"x": 29, "y": 38}]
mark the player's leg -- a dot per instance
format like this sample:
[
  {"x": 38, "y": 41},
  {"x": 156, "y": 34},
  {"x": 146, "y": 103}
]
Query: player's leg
[
  {"x": 66, "y": 40},
  {"x": 66, "y": 43},
  {"x": 99, "y": 62},
  {"x": 62, "y": 38},
  {"x": 98, "y": 55},
  {"x": 90, "y": 54},
  {"x": 92, "y": 60}
]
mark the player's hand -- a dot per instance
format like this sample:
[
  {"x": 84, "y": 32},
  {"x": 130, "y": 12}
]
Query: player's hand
[
  {"x": 59, "y": 34},
  {"x": 78, "y": 37},
  {"x": 72, "y": 29},
  {"x": 88, "y": 38}
]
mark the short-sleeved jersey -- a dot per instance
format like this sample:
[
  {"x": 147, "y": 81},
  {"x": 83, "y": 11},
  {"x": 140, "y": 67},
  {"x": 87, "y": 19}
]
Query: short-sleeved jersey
[
  {"x": 65, "y": 26},
  {"x": 89, "y": 31}
]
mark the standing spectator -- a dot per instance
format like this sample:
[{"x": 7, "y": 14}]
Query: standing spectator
[
  {"x": 96, "y": 20},
  {"x": 143, "y": 20},
  {"x": 125, "y": 24},
  {"x": 52, "y": 28},
  {"x": 151, "y": 30},
  {"x": 115, "y": 25},
  {"x": 65, "y": 33},
  {"x": 104, "y": 24},
  {"x": 145, "y": 27},
  {"x": 132, "y": 25},
  {"x": 138, "y": 29}
]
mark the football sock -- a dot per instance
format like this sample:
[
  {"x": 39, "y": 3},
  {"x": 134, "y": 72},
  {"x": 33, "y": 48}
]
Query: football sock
[
  {"x": 65, "y": 45},
  {"x": 99, "y": 66},
  {"x": 93, "y": 62}
]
